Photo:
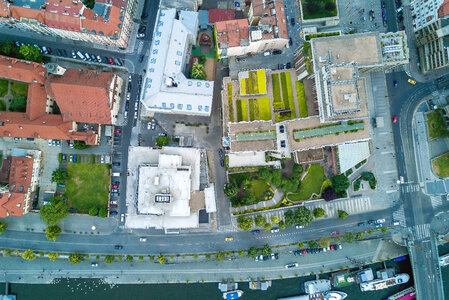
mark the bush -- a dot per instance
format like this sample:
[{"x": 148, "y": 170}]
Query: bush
[
  {"x": 260, "y": 220},
  {"x": 342, "y": 214},
  {"x": 75, "y": 258},
  {"x": 219, "y": 256},
  {"x": 60, "y": 157},
  {"x": 103, "y": 212},
  {"x": 282, "y": 225},
  {"x": 245, "y": 223},
  {"x": 92, "y": 158},
  {"x": 129, "y": 258},
  {"x": 274, "y": 219},
  {"x": 80, "y": 145},
  {"x": 109, "y": 259},
  {"x": 329, "y": 6},
  {"x": 319, "y": 212},
  {"x": 267, "y": 226},
  {"x": 52, "y": 256},
  {"x": 29, "y": 255},
  {"x": 312, "y": 244},
  {"x": 93, "y": 211}
]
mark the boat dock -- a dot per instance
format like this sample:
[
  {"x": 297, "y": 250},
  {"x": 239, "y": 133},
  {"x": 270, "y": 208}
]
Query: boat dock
[
  {"x": 260, "y": 285},
  {"x": 6, "y": 296}
]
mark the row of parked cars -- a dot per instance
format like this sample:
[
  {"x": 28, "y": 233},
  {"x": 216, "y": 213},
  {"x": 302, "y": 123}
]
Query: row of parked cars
[
  {"x": 302, "y": 252},
  {"x": 273, "y": 256}
]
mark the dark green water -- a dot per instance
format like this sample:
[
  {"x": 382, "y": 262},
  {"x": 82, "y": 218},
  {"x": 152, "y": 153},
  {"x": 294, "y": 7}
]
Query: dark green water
[{"x": 88, "y": 289}]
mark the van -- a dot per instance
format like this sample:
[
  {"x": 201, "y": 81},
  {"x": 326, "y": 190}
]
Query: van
[
  {"x": 87, "y": 56},
  {"x": 80, "y": 55},
  {"x": 116, "y": 174},
  {"x": 122, "y": 218}
]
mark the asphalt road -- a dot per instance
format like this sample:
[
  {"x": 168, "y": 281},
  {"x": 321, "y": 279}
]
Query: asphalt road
[
  {"x": 185, "y": 243},
  {"x": 418, "y": 210}
]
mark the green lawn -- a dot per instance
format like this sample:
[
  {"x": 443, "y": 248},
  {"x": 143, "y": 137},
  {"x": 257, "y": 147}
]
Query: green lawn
[
  {"x": 3, "y": 87},
  {"x": 314, "y": 9},
  {"x": 285, "y": 84},
  {"x": 252, "y": 109},
  {"x": 302, "y": 102},
  {"x": 243, "y": 114},
  {"x": 264, "y": 110},
  {"x": 87, "y": 186},
  {"x": 19, "y": 89},
  {"x": 2, "y": 105},
  {"x": 239, "y": 178},
  {"x": 311, "y": 183},
  {"x": 436, "y": 125},
  {"x": 258, "y": 188},
  {"x": 440, "y": 165},
  {"x": 276, "y": 89},
  {"x": 239, "y": 110}
]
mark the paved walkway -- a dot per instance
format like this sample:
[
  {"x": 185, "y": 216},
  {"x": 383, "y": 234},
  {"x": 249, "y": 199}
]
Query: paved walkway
[
  {"x": 187, "y": 269},
  {"x": 277, "y": 197}
]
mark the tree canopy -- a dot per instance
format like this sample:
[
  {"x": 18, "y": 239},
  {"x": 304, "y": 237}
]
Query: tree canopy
[
  {"x": 162, "y": 141},
  {"x": 324, "y": 241},
  {"x": 231, "y": 189},
  {"x": 29, "y": 255},
  {"x": 93, "y": 211},
  {"x": 219, "y": 256},
  {"x": 266, "y": 250},
  {"x": 3, "y": 227},
  {"x": 342, "y": 214},
  {"x": 349, "y": 237},
  {"x": 52, "y": 232},
  {"x": 245, "y": 223},
  {"x": 161, "y": 259},
  {"x": 54, "y": 212},
  {"x": 109, "y": 259},
  {"x": 260, "y": 220},
  {"x": 30, "y": 52},
  {"x": 329, "y": 194},
  {"x": 197, "y": 71},
  {"x": 80, "y": 145},
  {"x": 340, "y": 183},
  {"x": 52, "y": 256},
  {"x": 75, "y": 258},
  {"x": 103, "y": 212},
  {"x": 59, "y": 176},
  {"x": 319, "y": 212},
  {"x": 303, "y": 216},
  {"x": 253, "y": 252}
]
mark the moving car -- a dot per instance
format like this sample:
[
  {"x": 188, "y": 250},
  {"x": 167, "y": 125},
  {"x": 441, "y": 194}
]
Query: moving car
[
  {"x": 297, "y": 226},
  {"x": 122, "y": 218},
  {"x": 361, "y": 224},
  {"x": 274, "y": 230},
  {"x": 395, "y": 119},
  {"x": 229, "y": 239},
  {"x": 142, "y": 239},
  {"x": 142, "y": 29},
  {"x": 411, "y": 81},
  {"x": 335, "y": 233},
  {"x": 292, "y": 21},
  {"x": 379, "y": 226},
  {"x": 292, "y": 265},
  {"x": 118, "y": 247},
  {"x": 395, "y": 83},
  {"x": 257, "y": 231},
  {"x": 94, "y": 264}
]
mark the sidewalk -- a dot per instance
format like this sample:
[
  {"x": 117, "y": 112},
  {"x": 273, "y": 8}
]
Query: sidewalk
[
  {"x": 277, "y": 197},
  {"x": 181, "y": 270}
]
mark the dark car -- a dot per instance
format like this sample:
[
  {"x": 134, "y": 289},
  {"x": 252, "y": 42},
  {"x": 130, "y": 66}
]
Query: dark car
[
  {"x": 290, "y": 41},
  {"x": 292, "y": 21},
  {"x": 141, "y": 57},
  {"x": 220, "y": 153},
  {"x": 127, "y": 105},
  {"x": 402, "y": 28},
  {"x": 371, "y": 222},
  {"x": 297, "y": 252},
  {"x": 118, "y": 247},
  {"x": 142, "y": 29},
  {"x": 395, "y": 83},
  {"x": 49, "y": 50},
  {"x": 144, "y": 16},
  {"x": 400, "y": 18},
  {"x": 275, "y": 52},
  {"x": 116, "y": 182},
  {"x": 361, "y": 224},
  {"x": 113, "y": 213},
  {"x": 113, "y": 205},
  {"x": 283, "y": 144},
  {"x": 116, "y": 163},
  {"x": 281, "y": 129},
  {"x": 257, "y": 231},
  {"x": 64, "y": 52},
  {"x": 59, "y": 52},
  {"x": 117, "y": 61},
  {"x": 222, "y": 162},
  {"x": 289, "y": 65}
]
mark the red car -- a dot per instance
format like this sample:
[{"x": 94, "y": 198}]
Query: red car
[
  {"x": 395, "y": 119},
  {"x": 111, "y": 61},
  {"x": 335, "y": 233},
  {"x": 331, "y": 247},
  {"x": 115, "y": 186},
  {"x": 113, "y": 205},
  {"x": 402, "y": 28},
  {"x": 118, "y": 131}
]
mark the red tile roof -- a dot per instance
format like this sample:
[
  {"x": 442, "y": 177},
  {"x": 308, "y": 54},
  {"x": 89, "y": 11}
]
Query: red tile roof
[
  {"x": 11, "y": 204},
  {"x": 444, "y": 9},
  {"x": 107, "y": 27},
  {"x": 218, "y": 15},
  {"x": 232, "y": 32},
  {"x": 82, "y": 96},
  {"x": 265, "y": 11},
  {"x": 20, "y": 174},
  {"x": 4, "y": 11}
]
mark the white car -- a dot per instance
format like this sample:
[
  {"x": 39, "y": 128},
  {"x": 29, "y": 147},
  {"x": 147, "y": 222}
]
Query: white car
[
  {"x": 379, "y": 221},
  {"x": 113, "y": 202},
  {"x": 49, "y": 142},
  {"x": 135, "y": 114},
  {"x": 129, "y": 78},
  {"x": 149, "y": 125},
  {"x": 102, "y": 159},
  {"x": 297, "y": 226},
  {"x": 140, "y": 35},
  {"x": 125, "y": 115},
  {"x": 122, "y": 218},
  {"x": 142, "y": 239},
  {"x": 274, "y": 230},
  {"x": 136, "y": 105},
  {"x": 99, "y": 58},
  {"x": 294, "y": 265}
]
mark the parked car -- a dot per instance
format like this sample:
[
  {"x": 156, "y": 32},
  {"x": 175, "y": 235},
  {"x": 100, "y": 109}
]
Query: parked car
[
  {"x": 114, "y": 186},
  {"x": 395, "y": 83},
  {"x": 116, "y": 163},
  {"x": 113, "y": 205},
  {"x": 361, "y": 224},
  {"x": 297, "y": 226},
  {"x": 281, "y": 129},
  {"x": 118, "y": 247},
  {"x": 141, "y": 57},
  {"x": 335, "y": 233},
  {"x": 256, "y": 231},
  {"x": 113, "y": 202},
  {"x": 395, "y": 119},
  {"x": 274, "y": 230},
  {"x": 71, "y": 158},
  {"x": 122, "y": 218},
  {"x": 222, "y": 162},
  {"x": 111, "y": 61},
  {"x": 283, "y": 144},
  {"x": 63, "y": 157},
  {"x": 402, "y": 28},
  {"x": 276, "y": 52},
  {"x": 378, "y": 221},
  {"x": 274, "y": 256},
  {"x": 292, "y": 21},
  {"x": 290, "y": 41},
  {"x": 297, "y": 252},
  {"x": 113, "y": 213},
  {"x": 142, "y": 29},
  {"x": 378, "y": 226},
  {"x": 74, "y": 158},
  {"x": 144, "y": 16},
  {"x": 221, "y": 153},
  {"x": 142, "y": 239}
]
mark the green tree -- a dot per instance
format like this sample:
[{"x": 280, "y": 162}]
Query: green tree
[
  {"x": 267, "y": 226},
  {"x": 384, "y": 229},
  {"x": 54, "y": 212},
  {"x": 260, "y": 220},
  {"x": 359, "y": 235},
  {"x": 75, "y": 258},
  {"x": 161, "y": 259},
  {"x": 80, "y": 145},
  {"x": 266, "y": 250},
  {"x": 18, "y": 104},
  {"x": 329, "y": 6},
  {"x": 265, "y": 174},
  {"x": 30, "y": 52},
  {"x": 129, "y": 258},
  {"x": 340, "y": 183},
  {"x": 197, "y": 71},
  {"x": 324, "y": 241},
  {"x": 89, "y": 3},
  {"x": 349, "y": 237},
  {"x": 7, "y": 47},
  {"x": 282, "y": 225},
  {"x": 109, "y": 259},
  {"x": 219, "y": 256},
  {"x": 231, "y": 189},
  {"x": 303, "y": 216},
  {"x": 103, "y": 212},
  {"x": 59, "y": 176},
  {"x": 289, "y": 217},
  {"x": 274, "y": 219},
  {"x": 312, "y": 244},
  {"x": 162, "y": 141},
  {"x": 3, "y": 227},
  {"x": 301, "y": 244},
  {"x": 52, "y": 256},
  {"x": 29, "y": 255},
  {"x": 93, "y": 211},
  {"x": 342, "y": 214},
  {"x": 253, "y": 252},
  {"x": 52, "y": 232},
  {"x": 245, "y": 223},
  {"x": 319, "y": 212}
]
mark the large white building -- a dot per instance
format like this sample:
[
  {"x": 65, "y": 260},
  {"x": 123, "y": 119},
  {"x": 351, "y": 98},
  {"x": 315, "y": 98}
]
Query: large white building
[
  {"x": 425, "y": 12},
  {"x": 166, "y": 86}
]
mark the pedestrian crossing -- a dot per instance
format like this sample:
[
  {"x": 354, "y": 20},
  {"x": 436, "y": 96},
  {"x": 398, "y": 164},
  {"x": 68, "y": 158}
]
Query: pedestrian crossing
[
  {"x": 410, "y": 188},
  {"x": 351, "y": 206},
  {"x": 399, "y": 216},
  {"x": 437, "y": 201},
  {"x": 420, "y": 232}
]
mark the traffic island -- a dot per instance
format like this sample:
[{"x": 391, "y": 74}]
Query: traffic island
[{"x": 440, "y": 165}]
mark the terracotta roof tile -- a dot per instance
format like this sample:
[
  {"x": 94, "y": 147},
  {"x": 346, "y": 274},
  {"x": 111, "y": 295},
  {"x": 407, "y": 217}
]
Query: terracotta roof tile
[
  {"x": 20, "y": 174},
  {"x": 218, "y": 15},
  {"x": 276, "y": 19},
  {"x": 57, "y": 20},
  {"x": 11, "y": 204},
  {"x": 18, "y": 12},
  {"x": 232, "y": 32},
  {"x": 22, "y": 70},
  {"x": 444, "y": 9},
  {"x": 4, "y": 11},
  {"x": 82, "y": 96},
  {"x": 110, "y": 27}
]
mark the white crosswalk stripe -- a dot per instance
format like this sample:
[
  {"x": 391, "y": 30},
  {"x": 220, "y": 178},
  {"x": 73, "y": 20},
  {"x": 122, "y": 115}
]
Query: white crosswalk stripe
[
  {"x": 421, "y": 231},
  {"x": 410, "y": 188},
  {"x": 399, "y": 216},
  {"x": 436, "y": 201}
]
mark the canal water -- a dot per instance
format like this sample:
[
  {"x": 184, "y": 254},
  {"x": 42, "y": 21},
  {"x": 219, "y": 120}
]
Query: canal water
[{"x": 90, "y": 289}]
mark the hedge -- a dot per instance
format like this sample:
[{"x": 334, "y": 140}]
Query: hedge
[{"x": 302, "y": 102}]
